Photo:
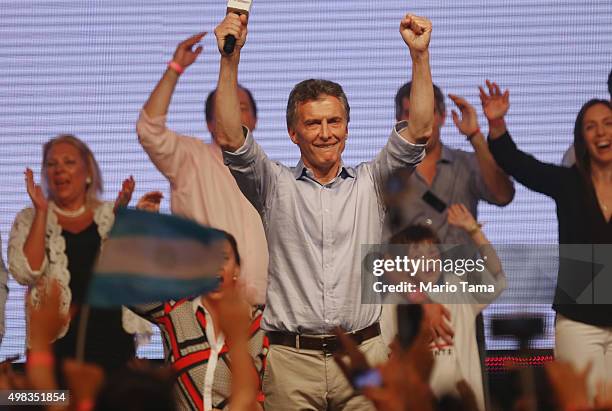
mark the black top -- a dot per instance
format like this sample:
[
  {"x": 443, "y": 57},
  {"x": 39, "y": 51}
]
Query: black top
[
  {"x": 107, "y": 344},
  {"x": 582, "y": 286}
]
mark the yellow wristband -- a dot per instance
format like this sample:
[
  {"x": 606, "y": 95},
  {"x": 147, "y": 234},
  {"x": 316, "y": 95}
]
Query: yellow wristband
[{"x": 474, "y": 229}]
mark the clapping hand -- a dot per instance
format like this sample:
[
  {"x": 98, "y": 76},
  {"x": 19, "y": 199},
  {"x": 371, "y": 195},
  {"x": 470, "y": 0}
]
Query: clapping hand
[
  {"x": 125, "y": 194},
  {"x": 468, "y": 123},
  {"x": 39, "y": 200},
  {"x": 150, "y": 201}
]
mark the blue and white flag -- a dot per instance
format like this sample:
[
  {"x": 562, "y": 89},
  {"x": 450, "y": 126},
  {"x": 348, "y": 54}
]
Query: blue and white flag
[{"x": 152, "y": 257}]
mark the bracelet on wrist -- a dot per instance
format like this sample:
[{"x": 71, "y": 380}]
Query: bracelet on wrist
[
  {"x": 470, "y": 136},
  {"x": 40, "y": 358},
  {"x": 176, "y": 67},
  {"x": 85, "y": 405},
  {"x": 474, "y": 229}
]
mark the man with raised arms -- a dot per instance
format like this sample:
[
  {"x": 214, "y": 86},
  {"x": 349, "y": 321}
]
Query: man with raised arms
[{"x": 316, "y": 216}]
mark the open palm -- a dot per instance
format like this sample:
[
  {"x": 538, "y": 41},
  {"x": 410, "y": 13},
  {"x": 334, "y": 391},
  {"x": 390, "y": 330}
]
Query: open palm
[
  {"x": 39, "y": 200},
  {"x": 185, "y": 55},
  {"x": 495, "y": 105}
]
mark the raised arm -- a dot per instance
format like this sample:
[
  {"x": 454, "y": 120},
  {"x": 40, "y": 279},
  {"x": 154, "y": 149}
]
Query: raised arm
[
  {"x": 229, "y": 131},
  {"x": 459, "y": 216},
  {"x": 497, "y": 184},
  {"x": 184, "y": 56},
  {"x": 233, "y": 312},
  {"x": 26, "y": 246},
  {"x": 406, "y": 146},
  {"x": 416, "y": 32},
  {"x": 544, "y": 178},
  {"x": 166, "y": 149}
]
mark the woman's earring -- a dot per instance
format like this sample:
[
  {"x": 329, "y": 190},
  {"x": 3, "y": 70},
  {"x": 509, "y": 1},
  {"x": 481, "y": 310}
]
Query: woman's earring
[{"x": 88, "y": 180}]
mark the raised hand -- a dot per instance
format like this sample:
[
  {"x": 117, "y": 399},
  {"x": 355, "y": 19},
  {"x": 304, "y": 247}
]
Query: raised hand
[
  {"x": 39, "y": 200},
  {"x": 357, "y": 362},
  {"x": 569, "y": 385},
  {"x": 437, "y": 318},
  {"x": 495, "y": 105},
  {"x": 468, "y": 398},
  {"x": 125, "y": 195},
  {"x": 233, "y": 24},
  {"x": 468, "y": 123},
  {"x": 184, "y": 54},
  {"x": 416, "y": 32},
  {"x": 46, "y": 319},
  {"x": 150, "y": 201},
  {"x": 84, "y": 380},
  {"x": 405, "y": 377},
  {"x": 460, "y": 216},
  {"x": 234, "y": 312}
]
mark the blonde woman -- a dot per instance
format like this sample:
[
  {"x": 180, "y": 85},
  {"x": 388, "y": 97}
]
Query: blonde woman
[{"x": 59, "y": 238}]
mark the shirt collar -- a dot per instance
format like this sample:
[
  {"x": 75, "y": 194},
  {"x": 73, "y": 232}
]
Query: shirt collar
[
  {"x": 447, "y": 155},
  {"x": 301, "y": 170},
  {"x": 197, "y": 303}
]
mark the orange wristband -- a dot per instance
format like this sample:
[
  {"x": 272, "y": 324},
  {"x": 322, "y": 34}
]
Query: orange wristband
[
  {"x": 41, "y": 358},
  {"x": 176, "y": 67},
  {"x": 85, "y": 405}
]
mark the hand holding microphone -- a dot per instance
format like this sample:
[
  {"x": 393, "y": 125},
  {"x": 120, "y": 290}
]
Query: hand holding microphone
[
  {"x": 233, "y": 25},
  {"x": 232, "y": 30}
]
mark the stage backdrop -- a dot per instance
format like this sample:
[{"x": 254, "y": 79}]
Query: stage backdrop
[{"x": 86, "y": 67}]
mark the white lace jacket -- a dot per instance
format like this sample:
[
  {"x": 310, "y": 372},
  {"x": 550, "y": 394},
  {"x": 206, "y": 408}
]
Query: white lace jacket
[{"x": 55, "y": 264}]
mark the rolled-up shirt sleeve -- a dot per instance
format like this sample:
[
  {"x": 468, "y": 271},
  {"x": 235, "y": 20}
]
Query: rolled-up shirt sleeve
[
  {"x": 253, "y": 171},
  {"x": 161, "y": 145},
  {"x": 398, "y": 153}
]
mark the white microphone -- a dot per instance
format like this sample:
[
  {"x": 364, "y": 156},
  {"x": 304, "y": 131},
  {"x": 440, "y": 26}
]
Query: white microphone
[{"x": 238, "y": 7}]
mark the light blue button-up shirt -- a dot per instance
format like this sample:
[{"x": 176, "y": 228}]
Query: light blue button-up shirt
[{"x": 315, "y": 233}]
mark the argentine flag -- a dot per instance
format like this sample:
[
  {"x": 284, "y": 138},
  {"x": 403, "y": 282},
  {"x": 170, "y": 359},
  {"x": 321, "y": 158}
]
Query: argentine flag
[{"x": 152, "y": 257}]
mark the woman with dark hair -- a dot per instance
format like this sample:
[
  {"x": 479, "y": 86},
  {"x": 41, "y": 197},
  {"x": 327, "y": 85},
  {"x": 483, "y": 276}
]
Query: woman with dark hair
[
  {"x": 59, "y": 238},
  {"x": 583, "y": 195},
  {"x": 194, "y": 343}
]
